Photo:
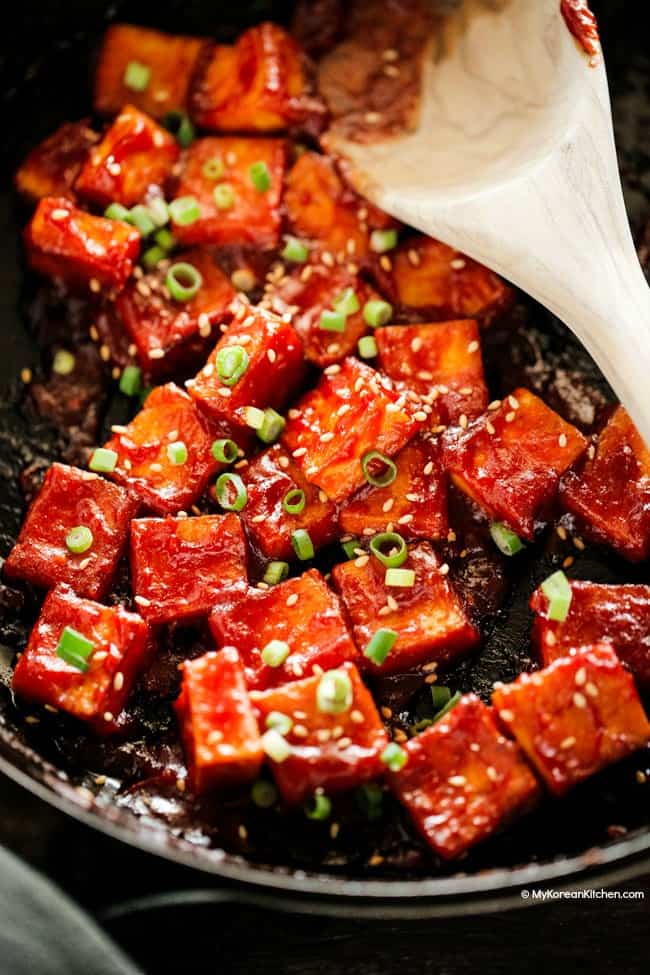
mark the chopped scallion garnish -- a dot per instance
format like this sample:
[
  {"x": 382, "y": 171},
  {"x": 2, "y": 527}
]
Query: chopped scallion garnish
[
  {"x": 103, "y": 461},
  {"x": 275, "y": 572},
  {"x": 380, "y": 646},
  {"x": 74, "y": 648},
  {"x": 272, "y": 426},
  {"x": 275, "y": 746},
  {"x": 136, "y": 76},
  {"x": 140, "y": 217},
  {"x": 387, "y": 472},
  {"x": 158, "y": 211},
  {"x": 332, "y": 321},
  {"x": 294, "y": 250},
  {"x": 505, "y": 539},
  {"x": 318, "y": 807},
  {"x": 63, "y": 362},
  {"x": 275, "y": 653},
  {"x": 367, "y": 347},
  {"x": 278, "y": 721},
  {"x": 557, "y": 590},
  {"x": 232, "y": 363},
  {"x": 213, "y": 168},
  {"x": 446, "y": 707},
  {"x": 223, "y": 196},
  {"x": 302, "y": 544},
  {"x": 390, "y": 548},
  {"x": 153, "y": 256},
  {"x": 117, "y": 212},
  {"x": 334, "y": 693},
  {"x": 350, "y": 546},
  {"x": 165, "y": 239},
  {"x": 177, "y": 453},
  {"x": 260, "y": 176},
  {"x": 377, "y": 312},
  {"x": 402, "y": 578},
  {"x": 369, "y": 798},
  {"x": 383, "y": 240},
  {"x": 294, "y": 501},
  {"x": 79, "y": 539},
  {"x": 394, "y": 757},
  {"x": 253, "y": 417},
  {"x": 227, "y": 484},
  {"x": 180, "y": 125},
  {"x": 225, "y": 451},
  {"x": 347, "y": 302},
  {"x": 183, "y": 281},
  {"x": 184, "y": 210},
  {"x": 264, "y": 794},
  {"x": 131, "y": 381}
]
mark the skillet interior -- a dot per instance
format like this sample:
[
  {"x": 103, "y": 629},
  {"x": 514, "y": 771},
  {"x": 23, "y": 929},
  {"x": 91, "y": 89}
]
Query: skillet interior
[{"x": 47, "y": 66}]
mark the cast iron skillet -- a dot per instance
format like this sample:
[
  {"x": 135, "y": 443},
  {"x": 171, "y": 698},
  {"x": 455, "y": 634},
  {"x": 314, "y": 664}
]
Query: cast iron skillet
[{"x": 601, "y": 832}]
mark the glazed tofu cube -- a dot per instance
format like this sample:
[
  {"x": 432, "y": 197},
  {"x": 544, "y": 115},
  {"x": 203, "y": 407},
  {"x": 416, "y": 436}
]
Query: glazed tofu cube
[
  {"x": 270, "y": 478},
  {"x": 72, "y": 499},
  {"x": 169, "y": 335},
  {"x": 415, "y": 504},
  {"x": 333, "y": 752},
  {"x": 574, "y": 717},
  {"x": 323, "y": 208},
  {"x": 463, "y": 780},
  {"x": 302, "y": 612},
  {"x": 428, "y": 617},
  {"x": 353, "y": 410},
  {"x": 165, "y": 64},
  {"x": 53, "y": 166},
  {"x": 115, "y": 649},
  {"x": 144, "y": 459},
  {"x": 182, "y": 567},
  {"x": 434, "y": 279},
  {"x": 69, "y": 244},
  {"x": 274, "y": 367},
  {"x": 258, "y": 84},
  {"x": 217, "y": 722},
  {"x": 619, "y": 615},
  {"x": 233, "y": 209},
  {"x": 135, "y": 156},
  {"x": 510, "y": 460},
  {"x": 315, "y": 289},
  {"x": 611, "y": 494},
  {"x": 442, "y": 363}
]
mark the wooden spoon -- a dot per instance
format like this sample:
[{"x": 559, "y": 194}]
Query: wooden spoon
[{"x": 514, "y": 163}]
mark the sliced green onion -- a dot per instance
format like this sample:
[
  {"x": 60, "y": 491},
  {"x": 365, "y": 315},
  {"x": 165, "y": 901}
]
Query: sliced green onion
[
  {"x": 383, "y": 240},
  {"x": 370, "y": 798},
  {"x": 334, "y": 692},
  {"x": 74, "y": 648},
  {"x": 394, "y": 757},
  {"x": 440, "y": 696},
  {"x": 302, "y": 544},
  {"x": 260, "y": 176},
  {"x": 389, "y": 470},
  {"x": 159, "y": 212},
  {"x": 226, "y": 484},
  {"x": 558, "y": 592},
  {"x": 377, "y": 312},
  {"x": 446, "y": 708},
  {"x": 63, "y": 362},
  {"x": 332, "y": 321},
  {"x": 294, "y": 250},
  {"x": 213, "y": 168},
  {"x": 225, "y": 451},
  {"x": 272, "y": 426},
  {"x": 275, "y": 746},
  {"x": 180, "y": 126},
  {"x": 380, "y": 646},
  {"x": 294, "y": 501},
  {"x": 367, "y": 347},
  {"x": 183, "y": 281},
  {"x": 165, "y": 239},
  {"x": 504, "y": 539},
  {"x": 402, "y": 578},
  {"x": 276, "y": 572},
  {"x": 79, "y": 539},
  {"x": 153, "y": 256},
  {"x": 264, "y": 794},
  {"x": 397, "y": 554},
  {"x": 232, "y": 363},
  {"x": 277, "y": 721},
  {"x": 347, "y": 302},
  {"x": 136, "y": 76},
  {"x": 318, "y": 807},
  {"x": 177, "y": 453},
  {"x": 350, "y": 546},
  {"x": 243, "y": 279},
  {"x": 253, "y": 417},
  {"x": 141, "y": 218},
  {"x": 184, "y": 210},
  {"x": 275, "y": 653},
  {"x": 223, "y": 196},
  {"x": 131, "y": 381},
  {"x": 103, "y": 461},
  {"x": 117, "y": 212}
]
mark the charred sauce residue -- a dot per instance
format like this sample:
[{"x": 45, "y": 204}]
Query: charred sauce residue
[{"x": 582, "y": 24}]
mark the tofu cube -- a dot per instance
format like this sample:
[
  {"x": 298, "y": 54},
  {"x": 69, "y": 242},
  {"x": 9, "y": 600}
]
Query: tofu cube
[
  {"x": 71, "y": 498},
  {"x": 441, "y": 363},
  {"x": 73, "y": 246},
  {"x": 52, "y": 167},
  {"x": 415, "y": 504},
  {"x": 217, "y": 722},
  {"x": 574, "y": 717},
  {"x": 428, "y": 617},
  {"x": 182, "y": 567},
  {"x": 353, "y": 410},
  {"x": 134, "y": 156},
  {"x": 618, "y": 615},
  {"x": 302, "y": 612},
  {"x": 510, "y": 460},
  {"x": 121, "y": 649},
  {"x": 333, "y": 752},
  {"x": 610, "y": 495},
  {"x": 244, "y": 214},
  {"x": 463, "y": 780},
  {"x": 269, "y": 478}
]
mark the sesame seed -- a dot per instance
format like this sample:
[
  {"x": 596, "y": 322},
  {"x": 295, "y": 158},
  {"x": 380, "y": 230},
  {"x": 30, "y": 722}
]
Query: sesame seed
[
  {"x": 568, "y": 562},
  {"x": 356, "y": 716},
  {"x": 463, "y": 421},
  {"x": 327, "y": 259},
  {"x": 385, "y": 262},
  {"x": 299, "y": 452},
  {"x": 372, "y": 118},
  {"x": 59, "y": 214},
  {"x": 568, "y": 742},
  {"x": 490, "y": 428},
  {"x": 506, "y": 714},
  {"x": 591, "y": 452},
  {"x": 32, "y": 719},
  {"x": 361, "y": 561},
  {"x": 562, "y": 440},
  {"x": 428, "y": 468},
  {"x": 141, "y": 601},
  {"x": 591, "y": 689},
  {"x": 386, "y": 712},
  {"x": 561, "y": 532},
  {"x": 494, "y": 405},
  {"x": 271, "y": 355},
  {"x": 299, "y": 731},
  {"x": 457, "y": 780},
  {"x": 100, "y": 779},
  {"x": 579, "y": 700},
  {"x": 390, "y": 54},
  {"x": 473, "y": 346},
  {"x": 292, "y": 599},
  {"x": 492, "y": 773},
  {"x": 444, "y": 569},
  {"x": 155, "y": 353},
  {"x": 579, "y": 544},
  {"x": 323, "y": 735},
  {"x": 108, "y": 716},
  {"x": 641, "y": 777},
  {"x": 451, "y": 535},
  {"x": 405, "y": 519},
  {"x": 326, "y": 437},
  {"x": 550, "y": 638},
  {"x": 416, "y": 344},
  {"x": 510, "y": 416}
]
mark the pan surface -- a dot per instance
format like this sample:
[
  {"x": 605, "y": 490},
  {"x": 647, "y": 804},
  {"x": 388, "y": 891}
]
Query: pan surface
[{"x": 601, "y": 831}]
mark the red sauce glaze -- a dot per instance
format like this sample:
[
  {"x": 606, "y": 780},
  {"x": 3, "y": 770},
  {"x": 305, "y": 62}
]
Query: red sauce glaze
[
  {"x": 70, "y": 498},
  {"x": 574, "y": 717},
  {"x": 217, "y": 723},
  {"x": 463, "y": 780},
  {"x": 333, "y": 752},
  {"x": 53, "y": 166},
  {"x": 619, "y": 615},
  {"x": 121, "y": 646},
  {"x": 582, "y": 24}
]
